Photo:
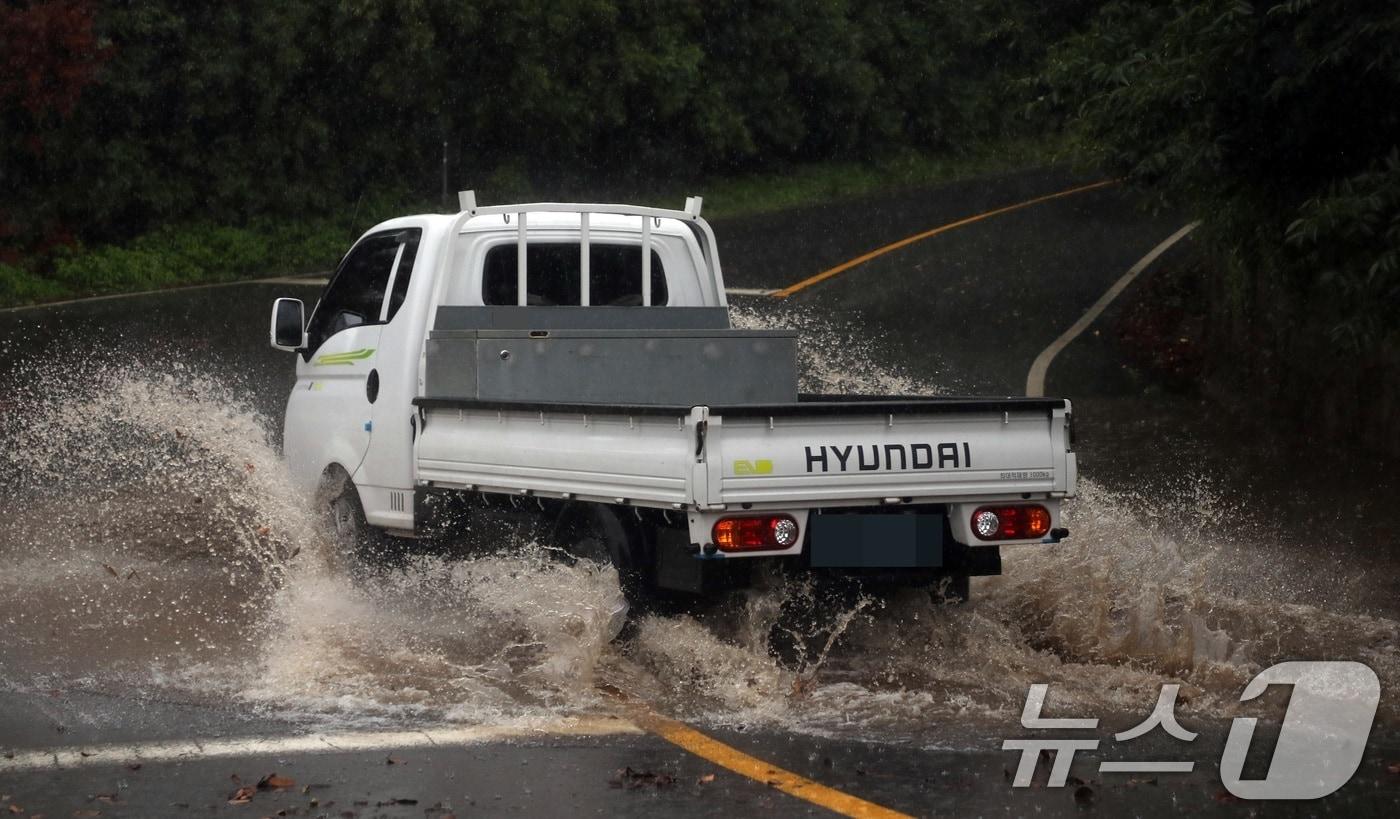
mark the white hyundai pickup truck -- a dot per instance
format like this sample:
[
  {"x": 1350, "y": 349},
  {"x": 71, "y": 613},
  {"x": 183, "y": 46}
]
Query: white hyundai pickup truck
[{"x": 575, "y": 363}]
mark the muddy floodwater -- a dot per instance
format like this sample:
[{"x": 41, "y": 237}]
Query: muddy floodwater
[{"x": 153, "y": 550}]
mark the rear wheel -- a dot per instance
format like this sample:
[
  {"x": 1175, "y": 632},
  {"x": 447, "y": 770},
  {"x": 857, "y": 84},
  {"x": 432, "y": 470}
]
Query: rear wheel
[{"x": 595, "y": 534}]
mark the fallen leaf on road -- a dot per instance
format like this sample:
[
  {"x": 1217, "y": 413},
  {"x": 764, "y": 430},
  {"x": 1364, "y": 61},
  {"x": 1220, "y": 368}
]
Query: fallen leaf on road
[
  {"x": 274, "y": 782},
  {"x": 1224, "y": 797},
  {"x": 110, "y": 570},
  {"x": 707, "y": 779},
  {"x": 264, "y": 531},
  {"x": 16, "y": 809},
  {"x": 631, "y": 779},
  {"x": 242, "y": 796}
]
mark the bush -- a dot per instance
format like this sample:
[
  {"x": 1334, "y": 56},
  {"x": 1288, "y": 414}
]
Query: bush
[
  {"x": 19, "y": 286},
  {"x": 178, "y": 110},
  {"x": 1274, "y": 122},
  {"x": 177, "y": 256}
]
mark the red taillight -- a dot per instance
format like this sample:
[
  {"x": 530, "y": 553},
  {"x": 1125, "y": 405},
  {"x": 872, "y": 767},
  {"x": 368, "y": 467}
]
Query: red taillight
[
  {"x": 1010, "y": 522},
  {"x": 755, "y": 534}
]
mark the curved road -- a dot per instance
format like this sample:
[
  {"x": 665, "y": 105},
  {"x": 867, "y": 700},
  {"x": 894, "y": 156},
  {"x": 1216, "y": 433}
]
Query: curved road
[{"x": 966, "y": 310}]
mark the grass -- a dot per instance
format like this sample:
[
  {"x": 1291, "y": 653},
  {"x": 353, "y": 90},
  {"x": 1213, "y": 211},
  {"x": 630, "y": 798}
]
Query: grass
[
  {"x": 202, "y": 253},
  {"x": 730, "y": 197}
]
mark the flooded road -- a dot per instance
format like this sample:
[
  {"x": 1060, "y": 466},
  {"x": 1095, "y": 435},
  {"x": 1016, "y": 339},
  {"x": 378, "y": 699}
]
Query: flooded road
[{"x": 162, "y": 577}]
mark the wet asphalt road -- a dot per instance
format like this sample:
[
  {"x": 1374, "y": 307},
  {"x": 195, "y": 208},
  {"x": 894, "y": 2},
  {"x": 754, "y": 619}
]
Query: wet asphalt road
[{"x": 969, "y": 310}]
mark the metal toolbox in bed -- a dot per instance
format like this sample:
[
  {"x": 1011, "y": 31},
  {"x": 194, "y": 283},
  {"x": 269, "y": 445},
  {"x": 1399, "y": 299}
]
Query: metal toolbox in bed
[{"x": 627, "y": 367}]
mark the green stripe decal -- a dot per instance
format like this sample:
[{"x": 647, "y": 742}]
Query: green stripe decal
[{"x": 344, "y": 358}]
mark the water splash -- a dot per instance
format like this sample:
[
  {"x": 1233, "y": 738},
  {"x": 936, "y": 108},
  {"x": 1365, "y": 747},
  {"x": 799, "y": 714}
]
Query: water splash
[{"x": 154, "y": 541}]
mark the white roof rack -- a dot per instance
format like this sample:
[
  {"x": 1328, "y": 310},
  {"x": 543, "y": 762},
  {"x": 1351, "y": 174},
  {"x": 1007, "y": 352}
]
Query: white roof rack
[
  {"x": 467, "y": 202},
  {"x": 690, "y": 215}
]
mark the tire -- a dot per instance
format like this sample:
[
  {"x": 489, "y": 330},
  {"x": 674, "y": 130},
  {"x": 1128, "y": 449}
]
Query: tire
[
  {"x": 355, "y": 541},
  {"x": 596, "y": 535}
]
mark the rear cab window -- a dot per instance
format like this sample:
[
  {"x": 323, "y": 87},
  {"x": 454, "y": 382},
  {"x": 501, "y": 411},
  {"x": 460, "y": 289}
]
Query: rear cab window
[
  {"x": 553, "y": 275},
  {"x": 484, "y": 261}
]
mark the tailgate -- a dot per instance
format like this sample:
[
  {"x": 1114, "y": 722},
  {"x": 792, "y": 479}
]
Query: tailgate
[{"x": 935, "y": 450}]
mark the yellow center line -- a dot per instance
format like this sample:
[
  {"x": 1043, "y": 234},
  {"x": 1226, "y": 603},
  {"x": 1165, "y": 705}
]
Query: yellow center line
[
  {"x": 756, "y": 769},
  {"x": 918, "y": 237}
]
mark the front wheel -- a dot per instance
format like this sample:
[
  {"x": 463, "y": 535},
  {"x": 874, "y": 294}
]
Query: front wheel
[{"x": 352, "y": 536}]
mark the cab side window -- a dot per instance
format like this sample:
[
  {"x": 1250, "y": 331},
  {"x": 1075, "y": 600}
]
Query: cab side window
[
  {"x": 405, "y": 271},
  {"x": 356, "y": 293}
]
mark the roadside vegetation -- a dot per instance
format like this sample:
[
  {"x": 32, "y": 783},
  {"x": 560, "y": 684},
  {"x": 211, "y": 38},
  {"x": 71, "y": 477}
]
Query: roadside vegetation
[
  {"x": 1276, "y": 125},
  {"x": 195, "y": 253},
  {"x": 154, "y": 143}
]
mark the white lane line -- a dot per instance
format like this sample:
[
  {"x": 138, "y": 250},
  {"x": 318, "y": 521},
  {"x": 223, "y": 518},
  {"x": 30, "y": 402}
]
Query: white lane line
[
  {"x": 293, "y": 280},
  {"x": 750, "y": 291},
  {"x": 186, "y": 750},
  {"x": 1035, "y": 380}
]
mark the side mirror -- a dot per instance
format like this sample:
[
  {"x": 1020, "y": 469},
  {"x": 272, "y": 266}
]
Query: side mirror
[{"x": 288, "y": 331}]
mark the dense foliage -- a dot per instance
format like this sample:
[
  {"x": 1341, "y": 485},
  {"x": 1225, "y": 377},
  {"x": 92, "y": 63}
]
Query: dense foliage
[
  {"x": 168, "y": 109},
  {"x": 129, "y": 126},
  {"x": 1277, "y": 124}
]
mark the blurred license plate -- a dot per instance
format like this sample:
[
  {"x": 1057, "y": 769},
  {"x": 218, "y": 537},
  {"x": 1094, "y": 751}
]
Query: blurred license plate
[{"x": 876, "y": 541}]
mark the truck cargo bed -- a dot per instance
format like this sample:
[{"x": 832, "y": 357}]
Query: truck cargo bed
[{"x": 818, "y": 450}]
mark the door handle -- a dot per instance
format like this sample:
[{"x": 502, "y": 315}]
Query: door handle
[{"x": 372, "y": 386}]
